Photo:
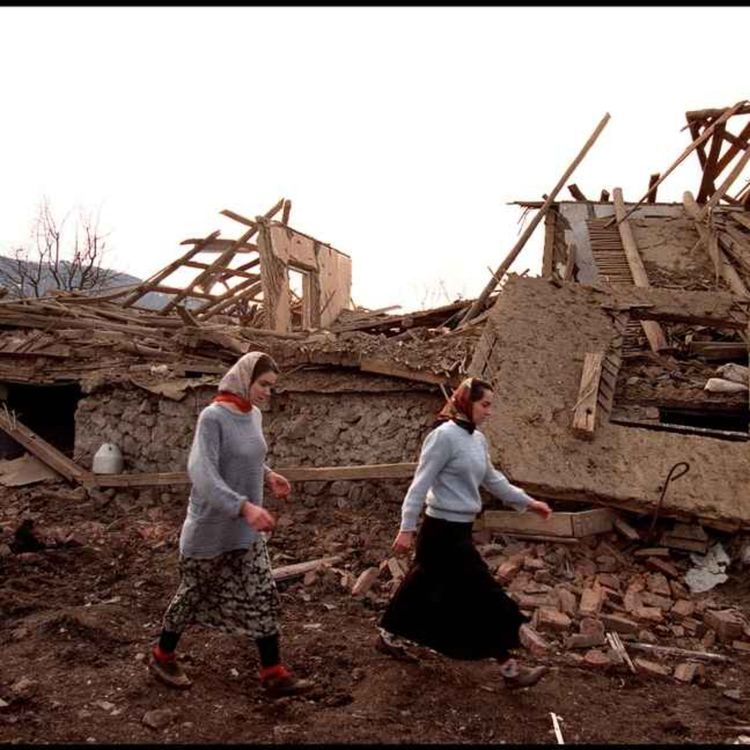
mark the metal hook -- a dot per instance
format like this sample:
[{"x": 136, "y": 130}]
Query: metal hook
[{"x": 670, "y": 478}]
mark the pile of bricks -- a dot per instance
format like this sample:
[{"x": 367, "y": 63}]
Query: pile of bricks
[{"x": 576, "y": 594}]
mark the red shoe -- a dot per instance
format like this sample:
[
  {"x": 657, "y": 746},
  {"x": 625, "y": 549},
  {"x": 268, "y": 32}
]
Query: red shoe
[
  {"x": 278, "y": 681},
  {"x": 168, "y": 670}
]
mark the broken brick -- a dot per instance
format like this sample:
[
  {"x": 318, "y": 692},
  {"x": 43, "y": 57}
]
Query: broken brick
[
  {"x": 552, "y": 619},
  {"x": 596, "y": 658},
  {"x": 683, "y": 608},
  {"x": 585, "y": 640},
  {"x": 662, "y": 566},
  {"x": 689, "y": 671},
  {"x": 532, "y": 641},
  {"x": 365, "y": 581},
  {"x": 656, "y": 600},
  {"x": 507, "y": 571},
  {"x": 727, "y": 623},
  {"x": 632, "y": 600},
  {"x": 609, "y": 580},
  {"x": 658, "y": 584},
  {"x": 591, "y": 626},
  {"x": 651, "y": 668},
  {"x": 607, "y": 563},
  {"x": 591, "y": 601},
  {"x": 651, "y": 614},
  {"x": 568, "y": 601},
  {"x": 678, "y": 590},
  {"x": 619, "y": 624}
]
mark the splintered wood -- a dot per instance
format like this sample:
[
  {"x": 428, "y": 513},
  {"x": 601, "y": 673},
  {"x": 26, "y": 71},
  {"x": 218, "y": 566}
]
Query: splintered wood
[{"x": 584, "y": 412}]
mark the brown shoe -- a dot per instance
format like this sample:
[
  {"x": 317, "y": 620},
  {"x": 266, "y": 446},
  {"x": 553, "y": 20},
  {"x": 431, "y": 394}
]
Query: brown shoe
[
  {"x": 526, "y": 677},
  {"x": 280, "y": 682},
  {"x": 394, "y": 651},
  {"x": 169, "y": 672}
]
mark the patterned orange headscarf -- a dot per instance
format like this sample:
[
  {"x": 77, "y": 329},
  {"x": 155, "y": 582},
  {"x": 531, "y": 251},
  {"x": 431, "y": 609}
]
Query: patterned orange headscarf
[{"x": 459, "y": 407}]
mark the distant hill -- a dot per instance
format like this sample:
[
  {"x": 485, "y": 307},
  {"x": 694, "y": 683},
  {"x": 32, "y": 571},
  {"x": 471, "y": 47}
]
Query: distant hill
[{"x": 115, "y": 279}]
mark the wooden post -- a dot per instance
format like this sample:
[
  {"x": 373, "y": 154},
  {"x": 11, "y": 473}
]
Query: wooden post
[
  {"x": 651, "y": 189},
  {"x": 651, "y": 328},
  {"x": 477, "y": 305}
]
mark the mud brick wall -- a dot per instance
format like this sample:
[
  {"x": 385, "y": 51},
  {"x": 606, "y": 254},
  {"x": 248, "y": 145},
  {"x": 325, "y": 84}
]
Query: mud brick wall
[{"x": 301, "y": 428}]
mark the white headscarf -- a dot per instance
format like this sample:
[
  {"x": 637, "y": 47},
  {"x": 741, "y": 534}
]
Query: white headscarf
[{"x": 240, "y": 375}]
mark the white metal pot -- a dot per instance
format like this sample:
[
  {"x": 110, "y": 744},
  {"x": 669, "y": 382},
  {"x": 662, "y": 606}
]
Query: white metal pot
[{"x": 107, "y": 460}]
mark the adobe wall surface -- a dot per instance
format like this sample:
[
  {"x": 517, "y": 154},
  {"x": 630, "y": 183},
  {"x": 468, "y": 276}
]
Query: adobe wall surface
[
  {"x": 323, "y": 422},
  {"x": 538, "y": 335}
]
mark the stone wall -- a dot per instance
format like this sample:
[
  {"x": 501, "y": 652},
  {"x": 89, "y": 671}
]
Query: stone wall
[{"x": 302, "y": 429}]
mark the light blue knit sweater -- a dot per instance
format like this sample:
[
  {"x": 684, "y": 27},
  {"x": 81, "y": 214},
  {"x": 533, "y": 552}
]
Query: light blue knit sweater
[
  {"x": 452, "y": 466},
  {"x": 226, "y": 467}
]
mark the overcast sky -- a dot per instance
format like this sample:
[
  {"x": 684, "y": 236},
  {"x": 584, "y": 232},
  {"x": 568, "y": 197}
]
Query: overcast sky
[{"x": 399, "y": 134}]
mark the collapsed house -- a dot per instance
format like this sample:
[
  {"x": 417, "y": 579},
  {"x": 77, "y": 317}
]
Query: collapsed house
[{"x": 610, "y": 368}]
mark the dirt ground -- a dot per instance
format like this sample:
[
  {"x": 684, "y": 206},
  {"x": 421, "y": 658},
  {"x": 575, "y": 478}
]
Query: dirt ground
[{"x": 78, "y": 616}]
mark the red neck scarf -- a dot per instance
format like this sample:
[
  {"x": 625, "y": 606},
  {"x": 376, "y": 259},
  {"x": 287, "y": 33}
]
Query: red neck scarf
[{"x": 232, "y": 398}]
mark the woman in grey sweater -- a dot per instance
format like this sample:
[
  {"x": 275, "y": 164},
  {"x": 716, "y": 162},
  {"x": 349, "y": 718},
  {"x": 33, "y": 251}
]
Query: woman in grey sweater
[
  {"x": 449, "y": 600},
  {"x": 225, "y": 573}
]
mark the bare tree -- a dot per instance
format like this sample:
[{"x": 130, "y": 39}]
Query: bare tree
[{"x": 55, "y": 259}]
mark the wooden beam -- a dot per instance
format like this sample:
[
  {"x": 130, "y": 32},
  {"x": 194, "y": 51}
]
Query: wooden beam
[
  {"x": 292, "y": 473},
  {"x": 548, "y": 254},
  {"x": 654, "y": 333},
  {"x": 604, "y": 196},
  {"x": 575, "y": 191},
  {"x": 384, "y": 367},
  {"x": 710, "y": 241},
  {"x": 739, "y": 143},
  {"x": 286, "y": 212},
  {"x": 728, "y": 182},
  {"x": 710, "y": 172},
  {"x": 148, "y": 285},
  {"x": 707, "y": 133},
  {"x": 652, "y": 180},
  {"x": 563, "y": 524},
  {"x": 478, "y": 304},
  {"x": 45, "y": 452},
  {"x": 584, "y": 412}
]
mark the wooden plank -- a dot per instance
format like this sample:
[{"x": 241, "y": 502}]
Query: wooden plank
[
  {"x": 285, "y": 214},
  {"x": 559, "y": 524},
  {"x": 654, "y": 333},
  {"x": 718, "y": 350},
  {"x": 42, "y": 449},
  {"x": 673, "y": 651},
  {"x": 584, "y": 413},
  {"x": 739, "y": 143},
  {"x": 292, "y": 473},
  {"x": 478, "y": 304},
  {"x": 219, "y": 246},
  {"x": 295, "y": 570},
  {"x": 384, "y": 367}
]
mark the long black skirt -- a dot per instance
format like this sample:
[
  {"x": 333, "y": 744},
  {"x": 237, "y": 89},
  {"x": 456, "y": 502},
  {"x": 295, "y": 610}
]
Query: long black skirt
[{"x": 449, "y": 601}]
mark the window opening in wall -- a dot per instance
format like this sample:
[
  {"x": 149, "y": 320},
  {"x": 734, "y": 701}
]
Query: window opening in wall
[
  {"x": 699, "y": 385},
  {"x": 48, "y": 410},
  {"x": 296, "y": 292}
]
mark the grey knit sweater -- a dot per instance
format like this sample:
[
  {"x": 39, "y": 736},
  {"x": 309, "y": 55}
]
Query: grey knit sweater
[
  {"x": 226, "y": 467},
  {"x": 452, "y": 466}
]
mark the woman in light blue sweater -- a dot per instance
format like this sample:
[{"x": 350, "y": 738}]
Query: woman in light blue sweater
[
  {"x": 225, "y": 574},
  {"x": 449, "y": 601}
]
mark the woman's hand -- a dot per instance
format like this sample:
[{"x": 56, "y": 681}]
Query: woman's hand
[
  {"x": 279, "y": 485},
  {"x": 403, "y": 542},
  {"x": 257, "y": 518},
  {"x": 540, "y": 508}
]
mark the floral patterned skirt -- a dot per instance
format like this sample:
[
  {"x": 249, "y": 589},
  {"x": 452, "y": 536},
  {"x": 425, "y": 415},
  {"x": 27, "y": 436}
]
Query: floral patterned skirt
[{"x": 234, "y": 592}]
